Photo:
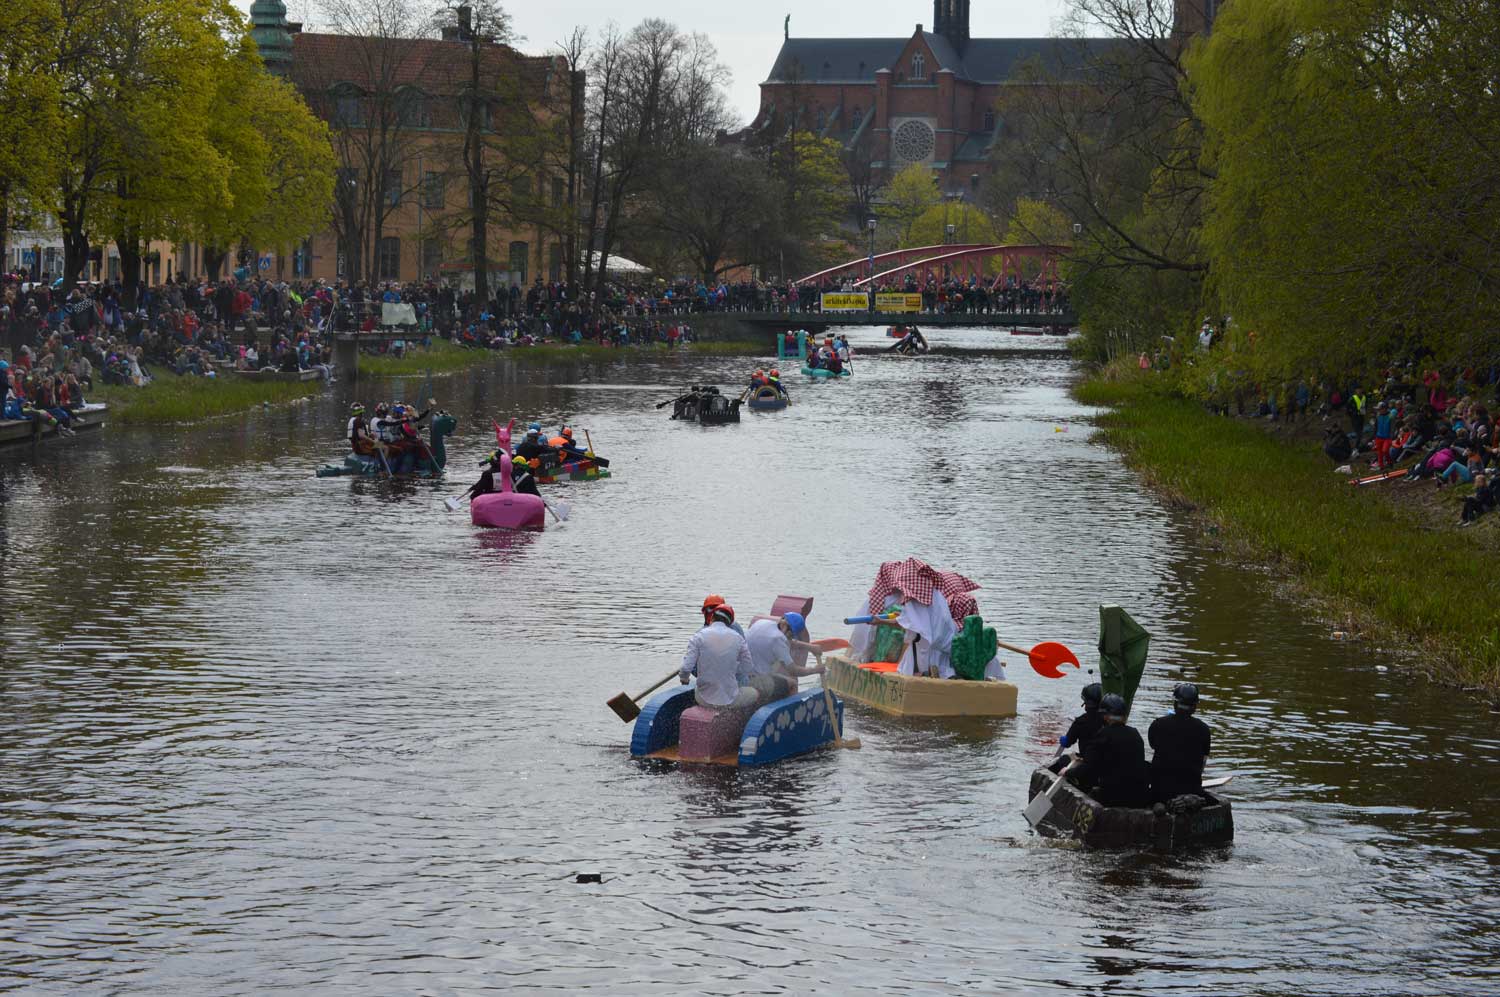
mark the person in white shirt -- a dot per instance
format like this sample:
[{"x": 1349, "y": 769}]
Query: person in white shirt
[
  {"x": 721, "y": 660},
  {"x": 772, "y": 673}
]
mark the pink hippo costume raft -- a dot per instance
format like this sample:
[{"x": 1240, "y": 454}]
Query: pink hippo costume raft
[{"x": 506, "y": 509}]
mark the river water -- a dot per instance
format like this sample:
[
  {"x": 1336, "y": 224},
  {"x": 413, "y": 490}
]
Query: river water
[{"x": 261, "y": 731}]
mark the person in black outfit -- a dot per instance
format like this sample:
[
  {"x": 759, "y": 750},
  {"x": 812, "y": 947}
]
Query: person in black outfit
[
  {"x": 521, "y": 478},
  {"x": 486, "y": 483},
  {"x": 1089, "y": 722},
  {"x": 1180, "y": 742},
  {"x": 1114, "y": 769}
]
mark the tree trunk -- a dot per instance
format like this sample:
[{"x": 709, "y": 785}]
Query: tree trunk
[
  {"x": 75, "y": 249},
  {"x": 5, "y": 227},
  {"x": 213, "y": 261},
  {"x": 575, "y": 132},
  {"x": 479, "y": 192},
  {"x": 129, "y": 246}
]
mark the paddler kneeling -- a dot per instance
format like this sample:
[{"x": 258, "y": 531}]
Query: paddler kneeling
[
  {"x": 772, "y": 673},
  {"x": 1114, "y": 769},
  {"x": 721, "y": 660}
]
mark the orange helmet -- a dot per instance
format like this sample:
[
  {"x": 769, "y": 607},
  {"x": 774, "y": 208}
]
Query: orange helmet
[
  {"x": 724, "y": 612},
  {"x": 775, "y": 372},
  {"x": 567, "y": 433},
  {"x": 710, "y": 601}
]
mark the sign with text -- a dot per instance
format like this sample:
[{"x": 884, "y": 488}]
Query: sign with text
[
  {"x": 845, "y": 302},
  {"x": 898, "y": 302}
]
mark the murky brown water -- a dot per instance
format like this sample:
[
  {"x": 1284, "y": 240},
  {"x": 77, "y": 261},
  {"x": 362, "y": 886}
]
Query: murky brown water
[{"x": 261, "y": 731}]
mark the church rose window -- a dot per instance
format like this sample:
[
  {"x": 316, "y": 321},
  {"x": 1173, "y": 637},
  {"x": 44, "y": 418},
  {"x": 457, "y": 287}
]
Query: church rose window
[{"x": 913, "y": 142}]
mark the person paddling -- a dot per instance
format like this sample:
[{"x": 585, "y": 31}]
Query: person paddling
[
  {"x": 522, "y": 481},
  {"x": 1089, "y": 722},
  {"x": 1114, "y": 769},
  {"x": 1181, "y": 743},
  {"x": 360, "y": 440},
  {"x": 720, "y": 659},
  {"x": 772, "y": 672}
]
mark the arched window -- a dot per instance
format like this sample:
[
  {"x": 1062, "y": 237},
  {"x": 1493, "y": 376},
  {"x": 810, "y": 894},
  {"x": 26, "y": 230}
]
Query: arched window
[
  {"x": 855, "y": 117},
  {"x": 348, "y": 106},
  {"x": 413, "y": 108},
  {"x": 989, "y": 121},
  {"x": 918, "y": 67}
]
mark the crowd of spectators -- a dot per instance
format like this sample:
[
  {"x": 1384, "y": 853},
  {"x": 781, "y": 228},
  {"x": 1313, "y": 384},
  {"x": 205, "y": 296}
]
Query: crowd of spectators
[{"x": 1421, "y": 423}]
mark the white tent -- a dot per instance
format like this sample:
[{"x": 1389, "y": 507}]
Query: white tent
[{"x": 620, "y": 265}]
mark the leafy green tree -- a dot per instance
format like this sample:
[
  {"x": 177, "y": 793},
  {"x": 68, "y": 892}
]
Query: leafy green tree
[
  {"x": 30, "y": 86},
  {"x": 1357, "y": 198},
  {"x": 908, "y": 196}
]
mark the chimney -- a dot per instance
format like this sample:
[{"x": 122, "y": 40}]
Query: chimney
[{"x": 465, "y": 23}]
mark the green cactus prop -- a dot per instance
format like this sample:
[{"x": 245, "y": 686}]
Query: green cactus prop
[{"x": 973, "y": 648}]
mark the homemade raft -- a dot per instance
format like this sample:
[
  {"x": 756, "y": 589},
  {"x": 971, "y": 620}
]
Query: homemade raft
[
  {"x": 673, "y": 727},
  {"x": 878, "y": 684},
  {"x": 767, "y": 399},
  {"x": 1180, "y": 823}
]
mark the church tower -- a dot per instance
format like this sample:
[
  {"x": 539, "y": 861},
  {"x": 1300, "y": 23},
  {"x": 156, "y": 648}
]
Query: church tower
[
  {"x": 950, "y": 18},
  {"x": 273, "y": 35}
]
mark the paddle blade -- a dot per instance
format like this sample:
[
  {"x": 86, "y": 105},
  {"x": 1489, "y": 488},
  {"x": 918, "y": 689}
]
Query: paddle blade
[
  {"x": 624, "y": 707},
  {"x": 563, "y": 511},
  {"x": 452, "y": 504},
  {"x": 1048, "y": 658},
  {"x": 1037, "y": 810},
  {"x": 830, "y": 643}
]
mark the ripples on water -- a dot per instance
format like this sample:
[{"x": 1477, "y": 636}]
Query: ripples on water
[{"x": 263, "y": 731}]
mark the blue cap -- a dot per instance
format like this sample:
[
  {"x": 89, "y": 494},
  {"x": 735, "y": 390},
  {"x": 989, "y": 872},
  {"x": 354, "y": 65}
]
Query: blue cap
[{"x": 795, "y": 622}]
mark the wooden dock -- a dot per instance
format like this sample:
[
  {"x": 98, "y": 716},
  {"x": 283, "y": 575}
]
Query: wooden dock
[{"x": 17, "y": 432}]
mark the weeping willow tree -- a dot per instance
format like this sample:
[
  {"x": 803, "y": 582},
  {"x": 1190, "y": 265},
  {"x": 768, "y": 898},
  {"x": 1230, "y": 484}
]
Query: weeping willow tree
[{"x": 1355, "y": 210}]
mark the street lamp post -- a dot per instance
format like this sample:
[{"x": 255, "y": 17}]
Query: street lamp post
[{"x": 870, "y": 224}]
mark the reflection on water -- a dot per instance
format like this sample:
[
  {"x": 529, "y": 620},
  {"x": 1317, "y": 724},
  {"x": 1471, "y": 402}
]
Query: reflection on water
[{"x": 261, "y": 730}]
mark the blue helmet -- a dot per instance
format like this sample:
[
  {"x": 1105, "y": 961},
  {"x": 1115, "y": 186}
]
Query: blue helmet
[
  {"x": 535, "y": 427},
  {"x": 4, "y": 365},
  {"x": 794, "y": 622}
]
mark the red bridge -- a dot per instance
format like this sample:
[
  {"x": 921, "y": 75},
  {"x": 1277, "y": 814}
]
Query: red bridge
[{"x": 936, "y": 262}]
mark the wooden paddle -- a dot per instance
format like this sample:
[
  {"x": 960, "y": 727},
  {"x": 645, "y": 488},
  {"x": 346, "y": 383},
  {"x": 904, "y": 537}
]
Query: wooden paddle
[
  {"x": 852, "y": 743},
  {"x": 1222, "y": 780},
  {"x": 1047, "y": 658},
  {"x": 626, "y": 708},
  {"x": 1037, "y": 810}
]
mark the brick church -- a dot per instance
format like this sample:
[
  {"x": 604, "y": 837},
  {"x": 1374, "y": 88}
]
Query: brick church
[{"x": 928, "y": 99}]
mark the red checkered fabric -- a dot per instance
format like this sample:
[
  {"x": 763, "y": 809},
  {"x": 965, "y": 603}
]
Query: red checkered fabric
[{"x": 916, "y": 579}]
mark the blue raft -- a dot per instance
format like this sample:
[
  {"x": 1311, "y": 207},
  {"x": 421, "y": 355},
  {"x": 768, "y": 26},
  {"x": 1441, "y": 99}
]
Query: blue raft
[
  {"x": 781, "y": 729},
  {"x": 767, "y": 399}
]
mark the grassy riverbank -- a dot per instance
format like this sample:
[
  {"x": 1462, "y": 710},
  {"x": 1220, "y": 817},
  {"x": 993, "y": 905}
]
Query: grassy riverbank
[
  {"x": 1369, "y": 556},
  {"x": 169, "y": 398},
  {"x": 444, "y": 358}
]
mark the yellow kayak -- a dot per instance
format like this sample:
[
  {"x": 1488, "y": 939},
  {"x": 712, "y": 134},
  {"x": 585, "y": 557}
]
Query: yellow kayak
[{"x": 914, "y": 696}]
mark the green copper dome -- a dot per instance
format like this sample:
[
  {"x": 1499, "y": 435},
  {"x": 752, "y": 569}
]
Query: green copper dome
[{"x": 268, "y": 26}]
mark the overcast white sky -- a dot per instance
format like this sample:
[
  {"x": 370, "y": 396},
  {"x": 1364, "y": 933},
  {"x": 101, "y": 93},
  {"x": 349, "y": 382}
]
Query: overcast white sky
[{"x": 749, "y": 35}]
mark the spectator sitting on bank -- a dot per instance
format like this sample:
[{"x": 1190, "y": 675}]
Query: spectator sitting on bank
[{"x": 1486, "y": 496}]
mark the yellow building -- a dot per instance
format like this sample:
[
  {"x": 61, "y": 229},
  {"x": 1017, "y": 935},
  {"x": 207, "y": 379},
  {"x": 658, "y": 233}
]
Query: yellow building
[{"x": 397, "y": 111}]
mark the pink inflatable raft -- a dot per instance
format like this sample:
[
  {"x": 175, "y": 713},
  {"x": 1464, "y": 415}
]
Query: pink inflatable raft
[{"x": 506, "y": 509}]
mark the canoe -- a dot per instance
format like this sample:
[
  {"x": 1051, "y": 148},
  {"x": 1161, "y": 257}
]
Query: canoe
[
  {"x": 90, "y": 416},
  {"x": 820, "y": 372},
  {"x": 767, "y": 399},
  {"x": 1079, "y": 816},
  {"x": 272, "y": 374},
  {"x": 779, "y": 730},
  {"x": 918, "y": 696}
]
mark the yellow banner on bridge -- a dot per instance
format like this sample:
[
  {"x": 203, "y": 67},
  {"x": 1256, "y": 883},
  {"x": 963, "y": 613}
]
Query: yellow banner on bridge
[
  {"x": 845, "y": 302},
  {"x": 898, "y": 302}
]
